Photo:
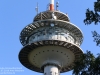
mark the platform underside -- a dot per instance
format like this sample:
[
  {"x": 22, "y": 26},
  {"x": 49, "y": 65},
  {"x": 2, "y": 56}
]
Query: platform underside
[{"x": 33, "y": 55}]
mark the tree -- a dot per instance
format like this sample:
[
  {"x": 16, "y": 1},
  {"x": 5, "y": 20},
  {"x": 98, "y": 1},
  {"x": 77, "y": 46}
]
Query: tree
[
  {"x": 96, "y": 37},
  {"x": 87, "y": 65},
  {"x": 94, "y": 16}
]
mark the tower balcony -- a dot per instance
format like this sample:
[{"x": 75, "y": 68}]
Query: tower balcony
[
  {"x": 48, "y": 15},
  {"x": 51, "y": 30}
]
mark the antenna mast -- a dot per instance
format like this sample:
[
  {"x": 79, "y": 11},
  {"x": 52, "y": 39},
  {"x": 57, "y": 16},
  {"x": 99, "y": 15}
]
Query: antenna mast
[
  {"x": 37, "y": 8},
  {"x": 52, "y": 5},
  {"x": 57, "y": 5}
]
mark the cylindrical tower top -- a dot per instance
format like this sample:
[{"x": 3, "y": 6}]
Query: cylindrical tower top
[
  {"x": 51, "y": 43},
  {"x": 51, "y": 5}
]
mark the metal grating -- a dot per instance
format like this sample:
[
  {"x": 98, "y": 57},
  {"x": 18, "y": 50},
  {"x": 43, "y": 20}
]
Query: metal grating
[
  {"x": 48, "y": 15},
  {"x": 28, "y": 30},
  {"x": 23, "y": 55}
]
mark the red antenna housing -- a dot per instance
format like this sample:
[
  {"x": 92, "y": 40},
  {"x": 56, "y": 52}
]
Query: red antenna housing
[{"x": 52, "y": 5}]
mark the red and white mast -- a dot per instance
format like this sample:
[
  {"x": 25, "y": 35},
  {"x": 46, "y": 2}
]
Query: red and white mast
[{"x": 51, "y": 5}]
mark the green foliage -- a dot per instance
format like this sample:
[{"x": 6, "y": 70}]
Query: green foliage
[
  {"x": 87, "y": 65},
  {"x": 93, "y": 16},
  {"x": 96, "y": 37}
]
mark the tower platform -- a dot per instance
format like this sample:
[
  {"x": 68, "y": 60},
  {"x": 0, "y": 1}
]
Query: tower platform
[{"x": 51, "y": 43}]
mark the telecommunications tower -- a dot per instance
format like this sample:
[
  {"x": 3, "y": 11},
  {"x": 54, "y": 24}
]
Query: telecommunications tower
[{"x": 51, "y": 42}]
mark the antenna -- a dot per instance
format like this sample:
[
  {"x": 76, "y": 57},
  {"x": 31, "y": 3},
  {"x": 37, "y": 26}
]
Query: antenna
[
  {"x": 37, "y": 8},
  {"x": 48, "y": 6},
  {"x": 57, "y": 5},
  {"x": 51, "y": 5}
]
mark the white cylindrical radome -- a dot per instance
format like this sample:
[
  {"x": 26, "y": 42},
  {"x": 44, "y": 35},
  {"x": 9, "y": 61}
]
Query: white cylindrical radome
[
  {"x": 51, "y": 5},
  {"x": 51, "y": 70},
  {"x": 52, "y": 2}
]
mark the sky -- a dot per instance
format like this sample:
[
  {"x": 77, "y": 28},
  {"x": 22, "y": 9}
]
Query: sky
[{"x": 16, "y": 14}]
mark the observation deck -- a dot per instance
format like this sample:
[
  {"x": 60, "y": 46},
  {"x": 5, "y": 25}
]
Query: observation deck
[{"x": 50, "y": 41}]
